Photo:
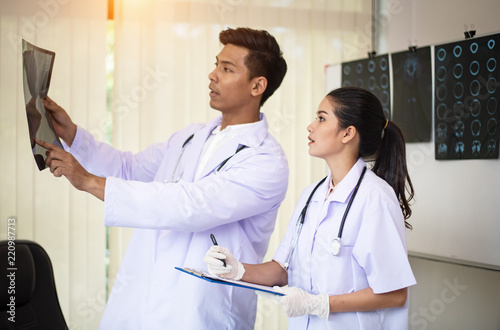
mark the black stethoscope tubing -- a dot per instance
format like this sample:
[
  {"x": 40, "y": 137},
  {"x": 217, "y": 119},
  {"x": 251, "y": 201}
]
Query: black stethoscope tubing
[
  {"x": 302, "y": 217},
  {"x": 179, "y": 159},
  {"x": 241, "y": 147},
  {"x": 341, "y": 229}
]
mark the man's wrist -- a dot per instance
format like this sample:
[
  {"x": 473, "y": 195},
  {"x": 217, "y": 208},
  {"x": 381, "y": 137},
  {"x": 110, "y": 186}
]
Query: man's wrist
[
  {"x": 96, "y": 186},
  {"x": 70, "y": 136}
]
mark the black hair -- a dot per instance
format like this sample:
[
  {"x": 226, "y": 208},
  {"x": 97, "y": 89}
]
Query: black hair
[
  {"x": 264, "y": 58},
  {"x": 379, "y": 138}
]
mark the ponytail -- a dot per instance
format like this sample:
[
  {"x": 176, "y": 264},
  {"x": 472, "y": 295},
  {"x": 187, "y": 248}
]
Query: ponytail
[
  {"x": 378, "y": 137},
  {"x": 390, "y": 165}
]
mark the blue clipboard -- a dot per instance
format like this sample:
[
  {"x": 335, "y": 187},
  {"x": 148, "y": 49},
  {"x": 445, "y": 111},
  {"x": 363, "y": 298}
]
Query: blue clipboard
[{"x": 207, "y": 277}]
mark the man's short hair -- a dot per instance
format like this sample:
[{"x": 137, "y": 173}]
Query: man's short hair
[{"x": 264, "y": 58}]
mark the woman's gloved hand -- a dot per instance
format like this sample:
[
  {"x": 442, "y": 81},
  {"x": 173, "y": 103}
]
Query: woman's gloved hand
[
  {"x": 297, "y": 302},
  {"x": 233, "y": 270}
]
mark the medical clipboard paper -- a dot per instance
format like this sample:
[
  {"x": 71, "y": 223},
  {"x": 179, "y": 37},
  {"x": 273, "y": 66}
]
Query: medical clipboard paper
[
  {"x": 207, "y": 277},
  {"x": 37, "y": 72}
]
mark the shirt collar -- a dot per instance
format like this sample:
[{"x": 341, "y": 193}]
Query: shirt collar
[
  {"x": 331, "y": 189},
  {"x": 234, "y": 129},
  {"x": 259, "y": 131},
  {"x": 345, "y": 187}
]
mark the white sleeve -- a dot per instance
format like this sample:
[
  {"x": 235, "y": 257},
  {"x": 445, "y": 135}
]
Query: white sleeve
[
  {"x": 103, "y": 160},
  {"x": 244, "y": 189},
  {"x": 380, "y": 248}
]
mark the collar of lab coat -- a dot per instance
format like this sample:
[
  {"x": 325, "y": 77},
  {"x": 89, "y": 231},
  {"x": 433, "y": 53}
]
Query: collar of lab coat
[
  {"x": 344, "y": 189},
  {"x": 252, "y": 138}
]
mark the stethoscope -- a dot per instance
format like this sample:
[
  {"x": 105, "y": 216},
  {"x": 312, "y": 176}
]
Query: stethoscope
[
  {"x": 335, "y": 245},
  {"x": 175, "y": 179}
]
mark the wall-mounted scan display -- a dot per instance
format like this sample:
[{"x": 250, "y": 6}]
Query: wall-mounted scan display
[
  {"x": 371, "y": 74},
  {"x": 412, "y": 93},
  {"x": 466, "y": 99}
]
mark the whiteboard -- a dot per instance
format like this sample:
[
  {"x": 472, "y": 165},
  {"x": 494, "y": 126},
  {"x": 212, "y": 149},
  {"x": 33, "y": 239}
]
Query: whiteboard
[
  {"x": 456, "y": 211},
  {"x": 457, "y": 205}
]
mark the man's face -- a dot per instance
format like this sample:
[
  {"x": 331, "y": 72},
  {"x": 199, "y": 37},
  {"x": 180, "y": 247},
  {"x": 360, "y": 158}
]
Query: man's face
[{"x": 230, "y": 89}]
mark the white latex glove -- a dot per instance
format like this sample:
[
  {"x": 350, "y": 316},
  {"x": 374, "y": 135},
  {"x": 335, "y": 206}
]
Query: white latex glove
[
  {"x": 297, "y": 302},
  {"x": 233, "y": 270}
]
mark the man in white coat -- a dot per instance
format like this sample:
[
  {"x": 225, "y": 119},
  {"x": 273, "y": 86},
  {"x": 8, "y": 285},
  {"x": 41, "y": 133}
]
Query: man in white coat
[{"x": 226, "y": 177}]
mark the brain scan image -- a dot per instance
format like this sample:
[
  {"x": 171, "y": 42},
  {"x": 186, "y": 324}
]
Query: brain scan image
[
  {"x": 371, "y": 74},
  {"x": 466, "y": 99},
  {"x": 412, "y": 93}
]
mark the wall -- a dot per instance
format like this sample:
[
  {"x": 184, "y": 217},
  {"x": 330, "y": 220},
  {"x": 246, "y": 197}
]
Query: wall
[
  {"x": 451, "y": 296},
  {"x": 455, "y": 209},
  {"x": 456, "y": 206},
  {"x": 65, "y": 222}
]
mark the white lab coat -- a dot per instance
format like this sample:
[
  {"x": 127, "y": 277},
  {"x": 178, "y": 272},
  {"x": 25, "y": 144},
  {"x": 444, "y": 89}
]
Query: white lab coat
[
  {"x": 174, "y": 221},
  {"x": 373, "y": 252}
]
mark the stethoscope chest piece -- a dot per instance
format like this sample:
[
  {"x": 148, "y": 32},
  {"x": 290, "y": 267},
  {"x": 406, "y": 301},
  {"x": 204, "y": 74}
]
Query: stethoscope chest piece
[{"x": 335, "y": 247}]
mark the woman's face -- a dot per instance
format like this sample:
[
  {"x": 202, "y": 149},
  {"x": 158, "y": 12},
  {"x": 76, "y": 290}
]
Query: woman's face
[{"x": 325, "y": 135}]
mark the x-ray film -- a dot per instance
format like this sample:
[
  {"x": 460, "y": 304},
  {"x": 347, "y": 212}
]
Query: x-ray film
[
  {"x": 412, "y": 93},
  {"x": 371, "y": 74},
  {"x": 37, "y": 71},
  {"x": 466, "y": 99}
]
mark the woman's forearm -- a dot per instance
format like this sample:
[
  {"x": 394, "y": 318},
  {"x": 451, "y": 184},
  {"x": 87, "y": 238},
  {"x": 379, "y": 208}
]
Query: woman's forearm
[
  {"x": 367, "y": 300},
  {"x": 269, "y": 273}
]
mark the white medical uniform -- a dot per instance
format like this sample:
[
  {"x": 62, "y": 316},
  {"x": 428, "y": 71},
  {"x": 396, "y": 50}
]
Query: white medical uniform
[
  {"x": 373, "y": 252},
  {"x": 173, "y": 222}
]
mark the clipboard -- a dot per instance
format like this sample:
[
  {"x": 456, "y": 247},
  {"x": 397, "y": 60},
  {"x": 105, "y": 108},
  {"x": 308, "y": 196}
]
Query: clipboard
[{"x": 214, "y": 279}]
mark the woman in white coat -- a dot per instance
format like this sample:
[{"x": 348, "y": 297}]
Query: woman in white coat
[{"x": 344, "y": 256}]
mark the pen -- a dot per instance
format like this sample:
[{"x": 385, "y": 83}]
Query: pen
[{"x": 215, "y": 243}]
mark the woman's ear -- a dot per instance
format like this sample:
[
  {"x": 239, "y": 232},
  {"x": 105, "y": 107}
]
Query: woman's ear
[
  {"x": 349, "y": 134},
  {"x": 259, "y": 86}
]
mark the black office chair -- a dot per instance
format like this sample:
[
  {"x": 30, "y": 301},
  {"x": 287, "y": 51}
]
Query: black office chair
[{"x": 32, "y": 278}]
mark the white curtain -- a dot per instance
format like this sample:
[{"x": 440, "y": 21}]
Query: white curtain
[
  {"x": 165, "y": 49},
  {"x": 66, "y": 222}
]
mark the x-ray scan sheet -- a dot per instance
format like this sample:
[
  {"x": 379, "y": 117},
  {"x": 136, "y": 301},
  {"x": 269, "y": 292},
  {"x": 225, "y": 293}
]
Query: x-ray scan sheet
[
  {"x": 37, "y": 71},
  {"x": 412, "y": 93},
  {"x": 371, "y": 74},
  {"x": 466, "y": 115}
]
